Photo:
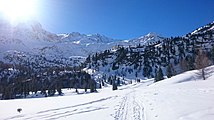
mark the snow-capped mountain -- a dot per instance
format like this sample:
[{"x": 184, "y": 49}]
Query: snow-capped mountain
[
  {"x": 30, "y": 38},
  {"x": 147, "y": 39},
  {"x": 24, "y": 37}
]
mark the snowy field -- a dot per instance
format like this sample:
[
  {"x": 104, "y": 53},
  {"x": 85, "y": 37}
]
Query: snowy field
[{"x": 182, "y": 97}]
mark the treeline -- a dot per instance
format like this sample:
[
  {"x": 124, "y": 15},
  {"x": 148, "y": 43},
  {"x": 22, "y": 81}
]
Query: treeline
[{"x": 19, "y": 81}]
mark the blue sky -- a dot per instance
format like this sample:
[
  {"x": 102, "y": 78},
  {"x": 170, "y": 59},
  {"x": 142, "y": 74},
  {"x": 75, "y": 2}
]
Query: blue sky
[{"x": 124, "y": 19}]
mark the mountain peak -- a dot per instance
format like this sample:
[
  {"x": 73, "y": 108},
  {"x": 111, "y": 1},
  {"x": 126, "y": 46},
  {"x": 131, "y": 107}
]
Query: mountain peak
[
  {"x": 150, "y": 37},
  {"x": 25, "y": 31},
  {"x": 152, "y": 34}
]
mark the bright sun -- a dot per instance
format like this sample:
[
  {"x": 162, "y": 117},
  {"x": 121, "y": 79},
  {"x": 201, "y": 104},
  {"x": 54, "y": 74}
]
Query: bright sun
[{"x": 18, "y": 9}]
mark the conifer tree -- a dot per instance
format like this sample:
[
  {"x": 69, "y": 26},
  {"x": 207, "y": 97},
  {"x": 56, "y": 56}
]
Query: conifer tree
[
  {"x": 190, "y": 63},
  {"x": 183, "y": 65},
  {"x": 156, "y": 75},
  {"x": 114, "y": 85},
  {"x": 118, "y": 81},
  {"x": 88, "y": 59},
  {"x": 212, "y": 53},
  {"x": 169, "y": 71},
  {"x": 159, "y": 75},
  {"x": 92, "y": 84}
]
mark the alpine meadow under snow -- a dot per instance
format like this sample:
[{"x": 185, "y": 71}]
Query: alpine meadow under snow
[
  {"x": 182, "y": 97},
  {"x": 74, "y": 76}
]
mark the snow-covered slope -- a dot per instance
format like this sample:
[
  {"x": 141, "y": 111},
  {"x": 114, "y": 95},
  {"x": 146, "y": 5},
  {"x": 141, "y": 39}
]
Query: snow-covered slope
[
  {"x": 182, "y": 97},
  {"x": 207, "y": 28}
]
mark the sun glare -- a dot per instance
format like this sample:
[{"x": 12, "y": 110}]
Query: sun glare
[{"x": 17, "y": 9}]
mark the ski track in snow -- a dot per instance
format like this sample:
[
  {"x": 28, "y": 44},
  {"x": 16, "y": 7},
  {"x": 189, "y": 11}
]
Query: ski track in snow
[
  {"x": 131, "y": 107},
  {"x": 128, "y": 107},
  {"x": 58, "y": 113}
]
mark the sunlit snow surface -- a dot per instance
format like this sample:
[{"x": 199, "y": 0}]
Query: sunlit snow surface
[{"x": 183, "y": 97}]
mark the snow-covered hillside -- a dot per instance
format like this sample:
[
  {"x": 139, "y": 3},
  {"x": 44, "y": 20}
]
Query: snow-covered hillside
[
  {"x": 153, "y": 54},
  {"x": 182, "y": 97},
  {"x": 207, "y": 28}
]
